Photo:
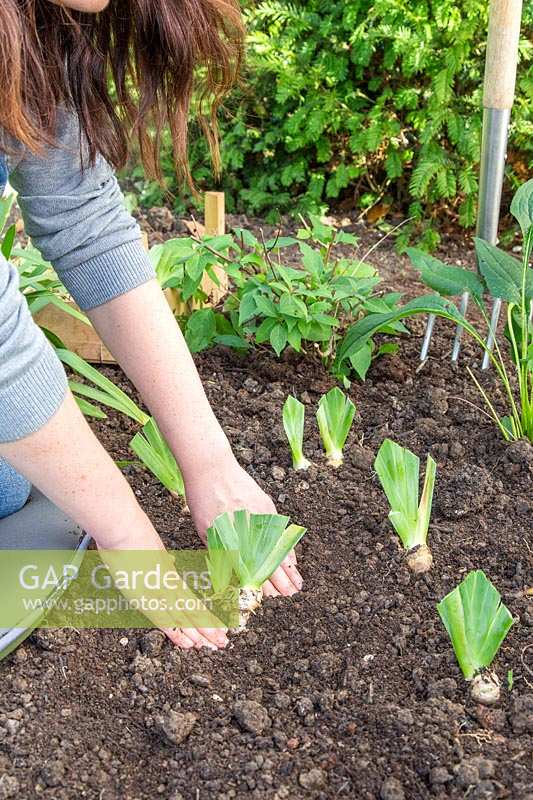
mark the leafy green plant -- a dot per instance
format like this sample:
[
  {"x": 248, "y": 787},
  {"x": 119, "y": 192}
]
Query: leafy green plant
[
  {"x": 259, "y": 543},
  {"x": 293, "y": 424},
  {"x": 154, "y": 452},
  {"x": 477, "y": 623},
  {"x": 335, "y": 416},
  {"x": 398, "y": 470},
  {"x": 182, "y": 264},
  {"x": 501, "y": 276},
  {"x": 304, "y": 308}
]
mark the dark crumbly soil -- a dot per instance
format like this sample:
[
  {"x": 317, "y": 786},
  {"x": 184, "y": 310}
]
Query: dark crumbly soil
[{"x": 350, "y": 689}]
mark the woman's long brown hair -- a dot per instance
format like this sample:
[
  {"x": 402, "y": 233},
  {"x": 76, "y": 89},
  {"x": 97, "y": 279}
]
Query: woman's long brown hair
[{"x": 127, "y": 72}]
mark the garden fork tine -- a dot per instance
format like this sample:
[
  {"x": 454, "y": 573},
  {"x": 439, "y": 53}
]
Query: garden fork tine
[{"x": 498, "y": 96}]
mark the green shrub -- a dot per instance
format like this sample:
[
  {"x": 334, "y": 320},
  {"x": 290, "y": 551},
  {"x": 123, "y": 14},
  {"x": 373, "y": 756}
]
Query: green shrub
[{"x": 375, "y": 101}]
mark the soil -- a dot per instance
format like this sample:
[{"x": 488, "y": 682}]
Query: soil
[{"x": 351, "y": 688}]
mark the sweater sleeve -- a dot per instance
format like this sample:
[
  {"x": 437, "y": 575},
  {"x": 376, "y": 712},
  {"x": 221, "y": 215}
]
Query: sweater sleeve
[
  {"x": 76, "y": 217},
  {"x": 32, "y": 380}
]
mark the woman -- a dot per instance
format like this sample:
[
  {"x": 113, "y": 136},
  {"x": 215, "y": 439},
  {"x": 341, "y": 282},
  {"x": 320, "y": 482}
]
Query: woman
[{"x": 61, "y": 132}]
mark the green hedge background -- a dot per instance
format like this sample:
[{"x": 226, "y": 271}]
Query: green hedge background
[{"x": 361, "y": 103}]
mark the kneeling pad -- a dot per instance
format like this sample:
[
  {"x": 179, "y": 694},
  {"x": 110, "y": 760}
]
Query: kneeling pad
[{"x": 40, "y": 525}]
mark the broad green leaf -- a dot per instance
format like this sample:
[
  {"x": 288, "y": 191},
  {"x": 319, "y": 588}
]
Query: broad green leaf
[
  {"x": 265, "y": 306},
  {"x": 219, "y": 243},
  {"x": 247, "y": 308},
  {"x": 281, "y": 241},
  {"x": 253, "y": 258},
  {"x": 247, "y": 238},
  {"x": 327, "y": 320},
  {"x": 442, "y": 278},
  {"x": 312, "y": 260},
  {"x": 387, "y": 348},
  {"x": 502, "y": 273},
  {"x": 322, "y": 232},
  {"x": 210, "y": 270},
  {"x": 477, "y": 622},
  {"x": 522, "y": 206},
  {"x": 295, "y": 339},
  {"x": 364, "y": 329},
  {"x": 263, "y": 332},
  {"x": 361, "y": 360},
  {"x": 278, "y": 338},
  {"x": 194, "y": 267},
  {"x": 169, "y": 259},
  {"x": 233, "y": 341},
  {"x": 291, "y": 307},
  {"x": 343, "y": 237},
  {"x": 314, "y": 331},
  {"x": 200, "y": 330}
]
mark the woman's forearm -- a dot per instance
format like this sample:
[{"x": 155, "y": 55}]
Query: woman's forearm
[
  {"x": 67, "y": 463},
  {"x": 141, "y": 332}
]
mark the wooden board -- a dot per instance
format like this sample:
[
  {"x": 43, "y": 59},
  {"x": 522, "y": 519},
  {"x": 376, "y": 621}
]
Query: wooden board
[{"x": 76, "y": 336}]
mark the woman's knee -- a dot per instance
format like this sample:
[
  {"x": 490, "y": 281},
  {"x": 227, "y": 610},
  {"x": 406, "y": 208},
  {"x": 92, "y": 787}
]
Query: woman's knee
[{"x": 14, "y": 490}]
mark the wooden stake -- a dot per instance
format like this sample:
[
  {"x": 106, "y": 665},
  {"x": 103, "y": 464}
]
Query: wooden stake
[
  {"x": 215, "y": 225},
  {"x": 215, "y": 216}
]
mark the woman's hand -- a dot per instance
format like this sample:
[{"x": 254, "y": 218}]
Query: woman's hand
[
  {"x": 143, "y": 335},
  {"x": 224, "y": 486}
]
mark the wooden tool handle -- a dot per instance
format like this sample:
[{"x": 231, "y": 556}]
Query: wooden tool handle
[{"x": 502, "y": 53}]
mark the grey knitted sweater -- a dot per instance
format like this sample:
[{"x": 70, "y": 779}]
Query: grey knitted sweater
[{"x": 76, "y": 217}]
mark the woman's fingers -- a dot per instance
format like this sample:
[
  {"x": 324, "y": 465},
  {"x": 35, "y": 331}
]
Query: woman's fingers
[
  {"x": 291, "y": 558},
  {"x": 187, "y": 638},
  {"x": 198, "y": 639},
  {"x": 291, "y": 569},
  {"x": 217, "y": 636},
  {"x": 178, "y": 638},
  {"x": 286, "y": 580},
  {"x": 283, "y": 584},
  {"x": 269, "y": 590}
]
